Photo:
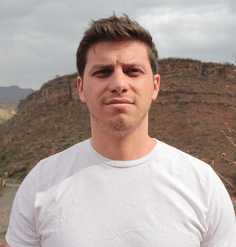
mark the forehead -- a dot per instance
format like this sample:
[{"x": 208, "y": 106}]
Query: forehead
[{"x": 121, "y": 51}]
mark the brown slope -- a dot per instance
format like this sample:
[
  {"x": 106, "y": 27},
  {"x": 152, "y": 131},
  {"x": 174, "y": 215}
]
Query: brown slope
[{"x": 195, "y": 101}]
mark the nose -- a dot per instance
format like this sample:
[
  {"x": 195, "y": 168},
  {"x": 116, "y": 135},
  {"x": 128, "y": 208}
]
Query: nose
[{"x": 118, "y": 83}]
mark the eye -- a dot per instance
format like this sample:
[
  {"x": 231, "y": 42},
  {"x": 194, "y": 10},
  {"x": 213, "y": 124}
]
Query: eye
[
  {"x": 133, "y": 72},
  {"x": 102, "y": 73}
]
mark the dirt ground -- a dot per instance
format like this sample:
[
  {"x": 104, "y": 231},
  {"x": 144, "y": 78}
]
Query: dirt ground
[{"x": 6, "y": 201}]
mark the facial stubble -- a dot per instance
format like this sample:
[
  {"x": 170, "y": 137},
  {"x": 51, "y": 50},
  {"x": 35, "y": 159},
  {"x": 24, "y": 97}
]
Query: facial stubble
[{"x": 118, "y": 125}]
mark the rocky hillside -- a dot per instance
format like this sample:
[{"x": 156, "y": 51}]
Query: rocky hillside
[
  {"x": 195, "y": 112},
  {"x": 63, "y": 89}
]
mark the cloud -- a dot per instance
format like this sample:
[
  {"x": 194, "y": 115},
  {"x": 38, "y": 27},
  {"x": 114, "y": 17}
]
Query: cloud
[
  {"x": 39, "y": 38},
  {"x": 198, "y": 32}
]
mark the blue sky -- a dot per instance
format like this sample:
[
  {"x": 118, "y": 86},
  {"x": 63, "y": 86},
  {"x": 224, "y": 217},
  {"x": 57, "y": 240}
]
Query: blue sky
[{"x": 38, "y": 39}]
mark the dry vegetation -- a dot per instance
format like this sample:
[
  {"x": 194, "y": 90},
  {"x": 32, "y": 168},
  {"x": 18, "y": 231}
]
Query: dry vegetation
[
  {"x": 230, "y": 135},
  {"x": 6, "y": 112}
]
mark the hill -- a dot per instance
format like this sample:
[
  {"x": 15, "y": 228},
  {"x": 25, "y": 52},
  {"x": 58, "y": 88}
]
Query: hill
[
  {"x": 12, "y": 94},
  {"x": 195, "y": 112}
]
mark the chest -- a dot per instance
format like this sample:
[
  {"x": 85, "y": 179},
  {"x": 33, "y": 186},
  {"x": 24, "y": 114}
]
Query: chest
[{"x": 120, "y": 214}]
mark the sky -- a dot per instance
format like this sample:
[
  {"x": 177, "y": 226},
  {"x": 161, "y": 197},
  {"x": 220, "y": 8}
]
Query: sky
[{"x": 39, "y": 38}]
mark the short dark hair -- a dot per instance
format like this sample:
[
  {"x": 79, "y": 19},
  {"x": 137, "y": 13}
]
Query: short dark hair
[{"x": 114, "y": 29}]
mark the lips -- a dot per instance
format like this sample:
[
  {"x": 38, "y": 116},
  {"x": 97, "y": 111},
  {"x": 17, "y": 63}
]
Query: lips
[{"x": 118, "y": 101}]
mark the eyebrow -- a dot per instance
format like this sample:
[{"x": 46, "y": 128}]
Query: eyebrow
[
  {"x": 103, "y": 66},
  {"x": 135, "y": 65},
  {"x": 100, "y": 66}
]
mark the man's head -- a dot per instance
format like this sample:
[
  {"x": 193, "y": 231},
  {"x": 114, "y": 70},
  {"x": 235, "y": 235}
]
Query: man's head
[{"x": 115, "y": 29}]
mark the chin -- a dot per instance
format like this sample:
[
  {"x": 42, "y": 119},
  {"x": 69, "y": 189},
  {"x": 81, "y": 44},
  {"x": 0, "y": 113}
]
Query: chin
[
  {"x": 120, "y": 125},
  {"x": 120, "y": 128}
]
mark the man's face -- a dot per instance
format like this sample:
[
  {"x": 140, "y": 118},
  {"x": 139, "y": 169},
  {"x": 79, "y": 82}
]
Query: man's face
[{"x": 118, "y": 86}]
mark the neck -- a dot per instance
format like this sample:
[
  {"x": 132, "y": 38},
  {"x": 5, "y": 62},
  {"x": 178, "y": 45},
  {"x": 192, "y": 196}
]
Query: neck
[{"x": 131, "y": 146}]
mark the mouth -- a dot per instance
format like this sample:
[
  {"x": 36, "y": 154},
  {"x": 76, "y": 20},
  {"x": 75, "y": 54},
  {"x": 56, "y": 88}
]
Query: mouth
[{"x": 119, "y": 102}]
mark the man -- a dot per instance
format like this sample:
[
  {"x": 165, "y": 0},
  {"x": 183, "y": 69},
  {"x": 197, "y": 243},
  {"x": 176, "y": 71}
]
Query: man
[{"x": 121, "y": 187}]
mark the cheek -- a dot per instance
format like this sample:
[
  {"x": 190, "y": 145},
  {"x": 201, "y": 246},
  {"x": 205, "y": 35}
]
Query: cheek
[
  {"x": 87, "y": 95},
  {"x": 91, "y": 95},
  {"x": 136, "y": 88}
]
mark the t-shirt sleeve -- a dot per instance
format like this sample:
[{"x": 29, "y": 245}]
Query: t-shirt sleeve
[
  {"x": 22, "y": 231},
  {"x": 220, "y": 219}
]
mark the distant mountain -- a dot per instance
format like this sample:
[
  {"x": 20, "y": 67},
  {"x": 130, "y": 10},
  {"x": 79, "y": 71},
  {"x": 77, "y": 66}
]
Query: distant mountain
[{"x": 12, "y": 94}]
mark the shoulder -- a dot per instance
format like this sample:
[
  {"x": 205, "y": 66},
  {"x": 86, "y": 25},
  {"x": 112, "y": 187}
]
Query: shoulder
[
  {"x": 182, "y": 159},
  {"x": 63, "y": 160},
  {"x": 199, "y": 184},
  {"x": 185, "y": 168},
  {"x": 68, "y": 155},
  {"x": 56, "y": 168}
]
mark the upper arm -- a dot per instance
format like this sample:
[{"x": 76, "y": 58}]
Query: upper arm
[
  {"x": 220, "y": 218},
  {"x": 22, "y": 228}
]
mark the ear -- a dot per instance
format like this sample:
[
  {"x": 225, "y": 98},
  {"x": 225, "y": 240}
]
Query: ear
[
  {"x": 156, "y": 86},
  {"x": 80, "y": 88}
]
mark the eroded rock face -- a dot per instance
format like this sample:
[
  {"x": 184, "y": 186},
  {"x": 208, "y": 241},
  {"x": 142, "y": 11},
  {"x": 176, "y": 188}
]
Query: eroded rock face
[
  {"x": 56, "y": 92},
  {"x": 61, "y": 90},
  {"x": 171, "y": 65}
]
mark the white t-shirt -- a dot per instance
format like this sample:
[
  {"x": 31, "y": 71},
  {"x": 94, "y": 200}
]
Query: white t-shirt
[{"x": 79, "y": 198}]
